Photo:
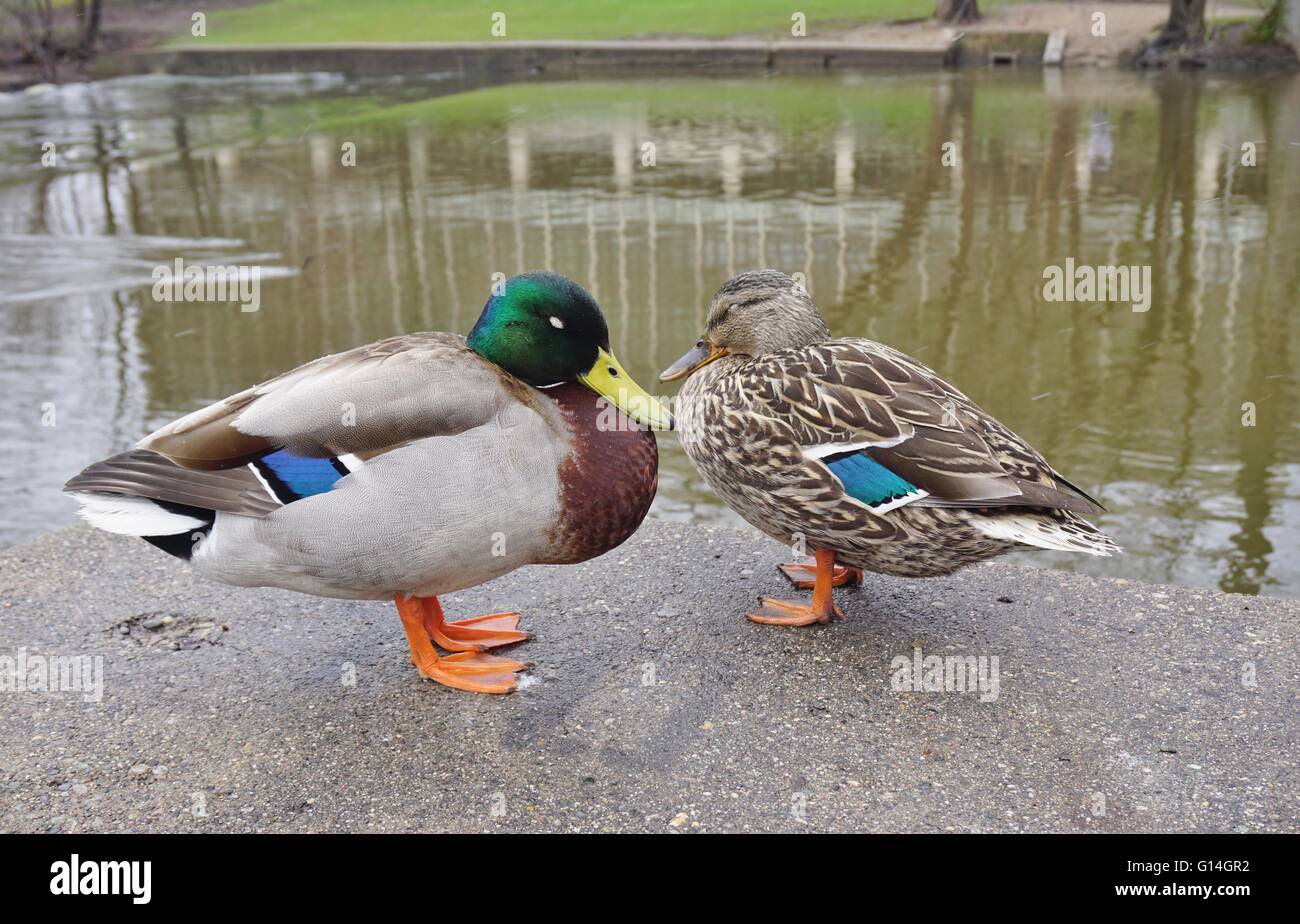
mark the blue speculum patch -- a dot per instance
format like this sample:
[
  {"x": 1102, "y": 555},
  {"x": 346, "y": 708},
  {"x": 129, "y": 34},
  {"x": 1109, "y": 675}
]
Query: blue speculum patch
[
  {"x": 866, "y": 479},
  {"x": 294, "y": 477}
]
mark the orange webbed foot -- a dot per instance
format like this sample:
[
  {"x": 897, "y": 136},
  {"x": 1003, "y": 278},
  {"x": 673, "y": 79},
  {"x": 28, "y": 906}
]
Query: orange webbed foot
[
  {"x": 773, "y": 612},
  {"x": 477, "y": 673},
  {"x": 821, "y": 609},
  {"x": 478, "y": 633},
  {"x": 804, "y": 576},
  {"x": 468, "y": 670}
]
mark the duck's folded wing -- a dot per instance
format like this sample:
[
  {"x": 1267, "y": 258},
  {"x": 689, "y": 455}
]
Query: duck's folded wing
[
  {"x": 181, "y": 492},
  {"x": 359, "y": 402},
  {"x": 857, "y": 396}
]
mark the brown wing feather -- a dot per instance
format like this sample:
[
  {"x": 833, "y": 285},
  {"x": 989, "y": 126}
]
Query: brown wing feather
[
  {"x": 141, "y": 473},
  {"x": 854, "y": 391}
]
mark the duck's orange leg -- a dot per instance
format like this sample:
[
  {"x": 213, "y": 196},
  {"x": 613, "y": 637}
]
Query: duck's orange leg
[
  {"x": 796, "y": 613},
  {"x": 477, "y": 634},
  {"x": 803, "y": 575},
  {"x": 477, "y": 673}
]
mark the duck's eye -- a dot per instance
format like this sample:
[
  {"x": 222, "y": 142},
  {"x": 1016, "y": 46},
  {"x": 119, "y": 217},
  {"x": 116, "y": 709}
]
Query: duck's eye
[{"x": 557, "y": 322}]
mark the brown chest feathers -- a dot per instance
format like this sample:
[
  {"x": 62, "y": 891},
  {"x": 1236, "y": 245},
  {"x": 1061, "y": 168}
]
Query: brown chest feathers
[{"x": 607, "y": 480}]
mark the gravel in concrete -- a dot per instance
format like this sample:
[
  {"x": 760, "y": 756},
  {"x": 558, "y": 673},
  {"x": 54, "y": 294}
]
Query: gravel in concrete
[{"x": 656, "y": 706}]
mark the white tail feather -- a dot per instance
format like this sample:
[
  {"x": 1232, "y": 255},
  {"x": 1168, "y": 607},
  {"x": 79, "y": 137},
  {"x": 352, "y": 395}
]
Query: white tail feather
[
  {"x": 132, "y": 516},
  {"x": 1046, "y": 534}
]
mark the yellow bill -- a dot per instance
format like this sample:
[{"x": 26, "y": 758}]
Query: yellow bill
[{"x": 608, "y": 379}]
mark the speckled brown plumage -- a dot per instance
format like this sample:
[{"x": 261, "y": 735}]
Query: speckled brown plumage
[{"x": 761, "y": 418}]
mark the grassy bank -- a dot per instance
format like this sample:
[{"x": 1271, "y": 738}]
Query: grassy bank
[
  {"x": 326, "y": 21},
  {"x": 788, "y": 104}
]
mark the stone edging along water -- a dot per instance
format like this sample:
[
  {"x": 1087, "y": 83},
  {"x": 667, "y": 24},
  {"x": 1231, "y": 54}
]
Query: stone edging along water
[{"x": 570, "y": 59}]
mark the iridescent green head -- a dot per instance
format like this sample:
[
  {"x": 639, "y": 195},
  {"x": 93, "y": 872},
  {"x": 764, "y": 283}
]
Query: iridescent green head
[{"x": 544, "y": 328}]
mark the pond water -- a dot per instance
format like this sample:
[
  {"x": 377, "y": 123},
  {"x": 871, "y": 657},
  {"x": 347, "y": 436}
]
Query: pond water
[{"x": 1181, "y": 418}]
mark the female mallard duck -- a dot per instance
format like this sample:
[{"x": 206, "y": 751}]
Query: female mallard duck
[
  {"x": 857, "y": 452},
  {"x": 409, "y": 468}
]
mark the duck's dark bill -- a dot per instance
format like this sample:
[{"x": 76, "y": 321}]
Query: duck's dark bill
[{"x": 703, "y": 353}]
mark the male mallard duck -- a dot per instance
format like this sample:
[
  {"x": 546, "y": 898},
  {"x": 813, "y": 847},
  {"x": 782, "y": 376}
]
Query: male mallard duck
[
  {"x": 409, "y": 468},
  {"x": 855, "y": 451}
]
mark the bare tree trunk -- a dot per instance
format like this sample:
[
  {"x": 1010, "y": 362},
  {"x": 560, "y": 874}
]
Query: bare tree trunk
[
  {"x": 1186, "y": 24},
  {"x": 35, "y": 33},
  {"x": 91, "y": 33},
  {"x": 959, "y": 11}
]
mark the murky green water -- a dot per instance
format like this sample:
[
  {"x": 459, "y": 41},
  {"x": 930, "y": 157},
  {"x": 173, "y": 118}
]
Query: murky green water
[{"x": 838, "y": 178}]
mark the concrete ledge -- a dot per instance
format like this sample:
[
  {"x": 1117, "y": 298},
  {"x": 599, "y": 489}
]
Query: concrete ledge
[
  {"x": 1054, "y": 50},
  {"x": 1015, "y": 49},
  {"x": 553, "y": 59},
  {"x": 1120, "y": 707}
]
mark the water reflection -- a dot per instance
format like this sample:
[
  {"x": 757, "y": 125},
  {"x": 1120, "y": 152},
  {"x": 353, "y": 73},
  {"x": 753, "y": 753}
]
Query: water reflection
[{"x": 654, "y": 192}]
